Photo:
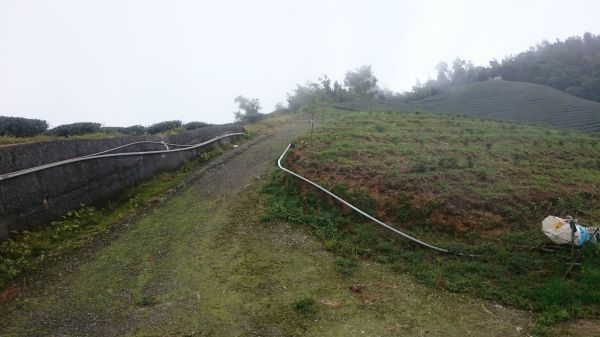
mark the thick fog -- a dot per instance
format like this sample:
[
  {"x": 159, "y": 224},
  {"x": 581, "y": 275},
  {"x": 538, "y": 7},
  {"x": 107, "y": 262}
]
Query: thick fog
[{"x": 139, "y": 62}]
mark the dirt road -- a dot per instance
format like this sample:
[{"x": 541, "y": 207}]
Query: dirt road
[{"x": 203, "y": 264}]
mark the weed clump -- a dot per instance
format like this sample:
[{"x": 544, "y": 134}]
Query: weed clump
[
  {"x": 146, "y": 301},
  {"x": 419, "y": 168},
  {"x": 305, "y": 305},
  {"x": 448, "y": 163},
  {"x": 345, "y": 266}
]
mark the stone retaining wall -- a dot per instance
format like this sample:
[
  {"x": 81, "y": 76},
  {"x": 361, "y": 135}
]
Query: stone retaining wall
[{"x": 34, "y": 199}]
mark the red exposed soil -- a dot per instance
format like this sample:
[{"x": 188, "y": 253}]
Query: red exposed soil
[{"x": 9, "y": 293}]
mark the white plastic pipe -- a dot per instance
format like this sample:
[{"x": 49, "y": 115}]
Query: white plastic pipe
[
  {"x": 104, "y": 155},
  {"x": 411, "y": 238}
]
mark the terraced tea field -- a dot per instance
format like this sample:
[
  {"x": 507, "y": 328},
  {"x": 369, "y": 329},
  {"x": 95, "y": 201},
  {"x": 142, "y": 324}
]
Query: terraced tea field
[{"x": 517, "y": 101}]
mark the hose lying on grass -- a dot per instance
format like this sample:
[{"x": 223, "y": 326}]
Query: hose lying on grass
[{"x": 409, "y": 237}]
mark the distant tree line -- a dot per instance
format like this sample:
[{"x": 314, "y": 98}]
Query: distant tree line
[
  {"x": 357, "y": 84},
  {"x": 572, "y": 66},
  {"x": 26, "y": 127}
]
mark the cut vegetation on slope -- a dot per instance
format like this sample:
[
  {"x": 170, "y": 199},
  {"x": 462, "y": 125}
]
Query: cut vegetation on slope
[
  {"x": 474, "y": 185},
  {"x": 517, "y": 101}
]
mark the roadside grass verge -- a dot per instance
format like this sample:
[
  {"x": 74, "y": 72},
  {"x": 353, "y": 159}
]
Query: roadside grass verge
[
  {"x": 26, "y": 251},
  {"x": 465, "y": 184}
]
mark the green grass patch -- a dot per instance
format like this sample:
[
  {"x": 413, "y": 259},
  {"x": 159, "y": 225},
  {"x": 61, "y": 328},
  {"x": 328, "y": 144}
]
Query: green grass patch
[{"x": 345, "y": 266}]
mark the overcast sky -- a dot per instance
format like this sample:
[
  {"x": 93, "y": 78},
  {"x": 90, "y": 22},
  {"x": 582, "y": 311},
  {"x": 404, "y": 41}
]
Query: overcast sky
[{"x": 139, "y": 62}]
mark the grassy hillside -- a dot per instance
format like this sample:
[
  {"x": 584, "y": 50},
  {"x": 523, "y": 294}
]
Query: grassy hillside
[
  {"x": 466, "y": 184},
  {"x": 517, "y": 101}
]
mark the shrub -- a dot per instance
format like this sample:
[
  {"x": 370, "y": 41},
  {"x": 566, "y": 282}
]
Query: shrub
[
  {"x": 345, "y": 266},
  {"x": 195, "y": 125},
  {"x": 470, "y": 162},
  {"x": 448, "y": 163},
  {"x": 134, "y": 130},
  {"x": 305, "y": 305},
  {"x": 146, "y": 301},
  {"x": 163, "y": 126},
  {"x": 419, "y": 168},
  {"x": 21, "y": 127},
  {"x": 129, "y": 130},
  {"x": 73, "y": 129}
]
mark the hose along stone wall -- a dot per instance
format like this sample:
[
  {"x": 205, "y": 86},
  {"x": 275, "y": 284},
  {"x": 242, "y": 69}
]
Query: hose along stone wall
[
  {"x": 33, "y": 200},
  {"x": 21, "y": 156}
]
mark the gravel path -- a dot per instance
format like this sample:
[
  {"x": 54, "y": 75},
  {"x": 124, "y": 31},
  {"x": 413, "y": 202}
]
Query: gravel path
[{"x": 64, "y": 300}]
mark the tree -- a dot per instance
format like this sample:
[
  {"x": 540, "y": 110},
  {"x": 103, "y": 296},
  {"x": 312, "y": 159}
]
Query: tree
[
  {"x": 326, "y": 83},
  {"x": 361, "y": 81},
  {"x": 572, "y": 66},
  {"x": 338, "y": 91},
  {"x": 280, "y": 107},
  {"x": 443, "y": 72},
  {"x": 459, "y": 73},
  {"x": 303, "y": 95},
  {"x": 249, "y": 109}
]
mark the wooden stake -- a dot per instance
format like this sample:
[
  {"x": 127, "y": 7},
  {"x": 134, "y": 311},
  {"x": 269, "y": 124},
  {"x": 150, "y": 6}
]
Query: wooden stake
[{"x": 311, "y": 131}]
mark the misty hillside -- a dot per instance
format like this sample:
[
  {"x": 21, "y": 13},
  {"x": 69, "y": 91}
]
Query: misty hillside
[
  {"x": 571, "y": 66},
  {"x": 517, "y": 101}
]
